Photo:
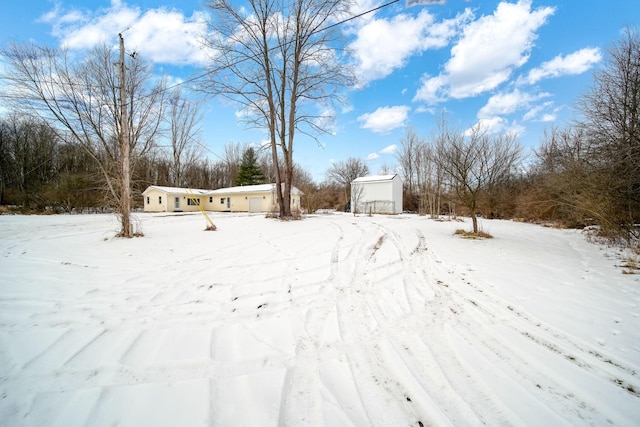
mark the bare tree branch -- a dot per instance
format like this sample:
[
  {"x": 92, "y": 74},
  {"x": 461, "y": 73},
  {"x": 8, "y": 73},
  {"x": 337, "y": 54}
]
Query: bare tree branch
[
  {"x": 281, "y": 69},
  {"x": 81, "y": 100}
]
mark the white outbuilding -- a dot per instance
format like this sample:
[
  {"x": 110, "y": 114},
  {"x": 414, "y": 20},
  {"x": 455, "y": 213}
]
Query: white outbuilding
[{"x": 377, "y": 194}]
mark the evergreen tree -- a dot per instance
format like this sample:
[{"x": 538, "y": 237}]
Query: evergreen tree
[{"x": 249, "y": 173}]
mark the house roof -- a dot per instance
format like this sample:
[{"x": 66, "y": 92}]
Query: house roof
[
  {"x": 375, "y": 178},
  {"x": 260, "y": 188},
  {"x": 176, "y": 190}
]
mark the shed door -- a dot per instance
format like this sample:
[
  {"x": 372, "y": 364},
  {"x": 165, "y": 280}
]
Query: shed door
[
  {"x": 255, "y": 204},
  {"x": 176, "y": 203}
]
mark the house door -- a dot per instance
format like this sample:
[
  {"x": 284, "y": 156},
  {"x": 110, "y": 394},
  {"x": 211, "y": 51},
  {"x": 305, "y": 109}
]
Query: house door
[
  {"x": 228, "y": 203},
  {"x": 176, "y": 203}
]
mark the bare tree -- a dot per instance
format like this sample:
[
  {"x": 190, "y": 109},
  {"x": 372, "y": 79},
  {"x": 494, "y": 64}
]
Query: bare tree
[
  {"x": 385, "y": 169},
  {"x": 502, "y": 159},
  {"x": 233, "y": 152},
  {"x": 343, "y": 173},
  {"x": 357, "y": 197},
  {"x": 406, "y": 155},
  {"x": 429, "y": 179},
  {"x": 611, "y": 110},
  {"x": 564, "y": 187},
  {"x": 275, "y": 59},
  {"x": 475, "y": 162},
  {"x": 311, "y": 196},
  {"x": 115, "y": 122},
  {"x": 28, "y": 151},
  {"x": 423, "y": 177},
  {"x": 184, "y": 117}
]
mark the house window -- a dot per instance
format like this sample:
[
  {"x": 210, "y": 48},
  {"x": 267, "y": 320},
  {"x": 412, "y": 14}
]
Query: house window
[
  {"x": 222, "y": 201},
  {"x": 148, "y": 200},
  {"x": 193, "y": 202},
  {"x": 210, "y": 199},
  {"x": 159, "y": 200}
]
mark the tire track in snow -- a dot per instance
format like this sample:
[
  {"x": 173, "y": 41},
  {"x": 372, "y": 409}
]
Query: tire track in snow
[
  {"x": 406, "y": 332},
  {"x": 342, "y": 272},
  {"x": 483, "y": 309},
  {"x": 463, "y": 321},
  {"x": 454, "y": 308},
  {"x": 448, "y": 393},
  {"x": 301, "y": 401},
  {"x": 390, "y": 387},
  {"x": 586, "y": 357}
]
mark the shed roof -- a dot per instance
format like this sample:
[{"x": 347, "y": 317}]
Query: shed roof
[{"x": 374, "y": 178}]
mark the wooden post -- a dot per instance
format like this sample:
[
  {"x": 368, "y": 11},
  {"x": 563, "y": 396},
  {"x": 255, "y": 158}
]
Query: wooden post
[{"x": 125, "y": 179}]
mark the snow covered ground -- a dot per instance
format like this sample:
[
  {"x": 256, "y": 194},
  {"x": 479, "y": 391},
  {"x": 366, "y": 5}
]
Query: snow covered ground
[{"x": 334, "y": 320}]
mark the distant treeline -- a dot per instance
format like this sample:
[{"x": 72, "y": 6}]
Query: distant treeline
[{"x": 587, "y": 173}]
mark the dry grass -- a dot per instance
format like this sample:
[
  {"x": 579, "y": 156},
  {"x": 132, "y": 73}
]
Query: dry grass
[
  {"x": 471, "y": 235},
  {"x": 296, "y": 215},
  {"x": 22, "y": 210},
  {"x": 211, "y": 227},
  {"x": 630, "y": 264}
]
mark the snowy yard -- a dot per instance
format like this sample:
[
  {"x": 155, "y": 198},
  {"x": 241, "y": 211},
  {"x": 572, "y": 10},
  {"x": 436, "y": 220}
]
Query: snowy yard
[{"x": 334, "y": 320}]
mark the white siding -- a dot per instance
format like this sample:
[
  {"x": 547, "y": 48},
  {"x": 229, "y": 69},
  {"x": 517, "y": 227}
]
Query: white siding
[
  {"x": 234, "y": 199},
  {"x": 377, "y": 194}
]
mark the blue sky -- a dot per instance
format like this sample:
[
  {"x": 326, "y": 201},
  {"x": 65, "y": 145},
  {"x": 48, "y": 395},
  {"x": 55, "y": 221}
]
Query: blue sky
[{"x": 512, "y": 66}]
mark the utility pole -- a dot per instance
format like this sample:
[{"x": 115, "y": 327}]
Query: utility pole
[{"x": 125, "y": 191}]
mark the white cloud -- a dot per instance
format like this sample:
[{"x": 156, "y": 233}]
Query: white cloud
[
  {"x": 541, "y": 113},
  {"x": 493, "y": 116},
  {"x": 169, "y": 37},
  {"x": 533, "y": 113},
  {"x": 423, "y": 109},
  {"x": 575, "y": 63},
  {"x": 430, "y": 91},
  {"x": 161, "y": 35},
  {"x": 411, "y": 3},
  {"x": 358, "y": 8},
  {"x": 385, "y": 119},
  {"x": 326, "y": 119},
  {"x": 488, "y": 51},
  {"x": 384, "y": 45},
  {"x": 497, "y": 124},
  {"x": 509, "y": 102},
  {"x": 390, "y": 149},
  {"x": 490, "y": 125}
]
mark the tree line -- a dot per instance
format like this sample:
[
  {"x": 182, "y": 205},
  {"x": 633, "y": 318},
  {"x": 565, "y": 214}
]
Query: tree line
[
  {"x": 279, "y": 61},
  {"x": 39, "y": 171},
  {"x": 587, "y": 173},
  {"x": 63, "y": 146}
]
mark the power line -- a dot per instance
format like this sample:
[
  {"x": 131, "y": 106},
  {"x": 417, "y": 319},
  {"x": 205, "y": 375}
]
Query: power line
[
  {"x": 344, "y": 21},
  {"x": 375, "y": 9},
  {"x": 197, "y": 77},
  {"x": 207, "y": 73}
]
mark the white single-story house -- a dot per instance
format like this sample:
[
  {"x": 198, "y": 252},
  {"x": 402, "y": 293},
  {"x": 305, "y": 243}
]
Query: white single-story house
[
  {"x": 248, "y": 198},
  {"x": 377, "y": 194}
]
